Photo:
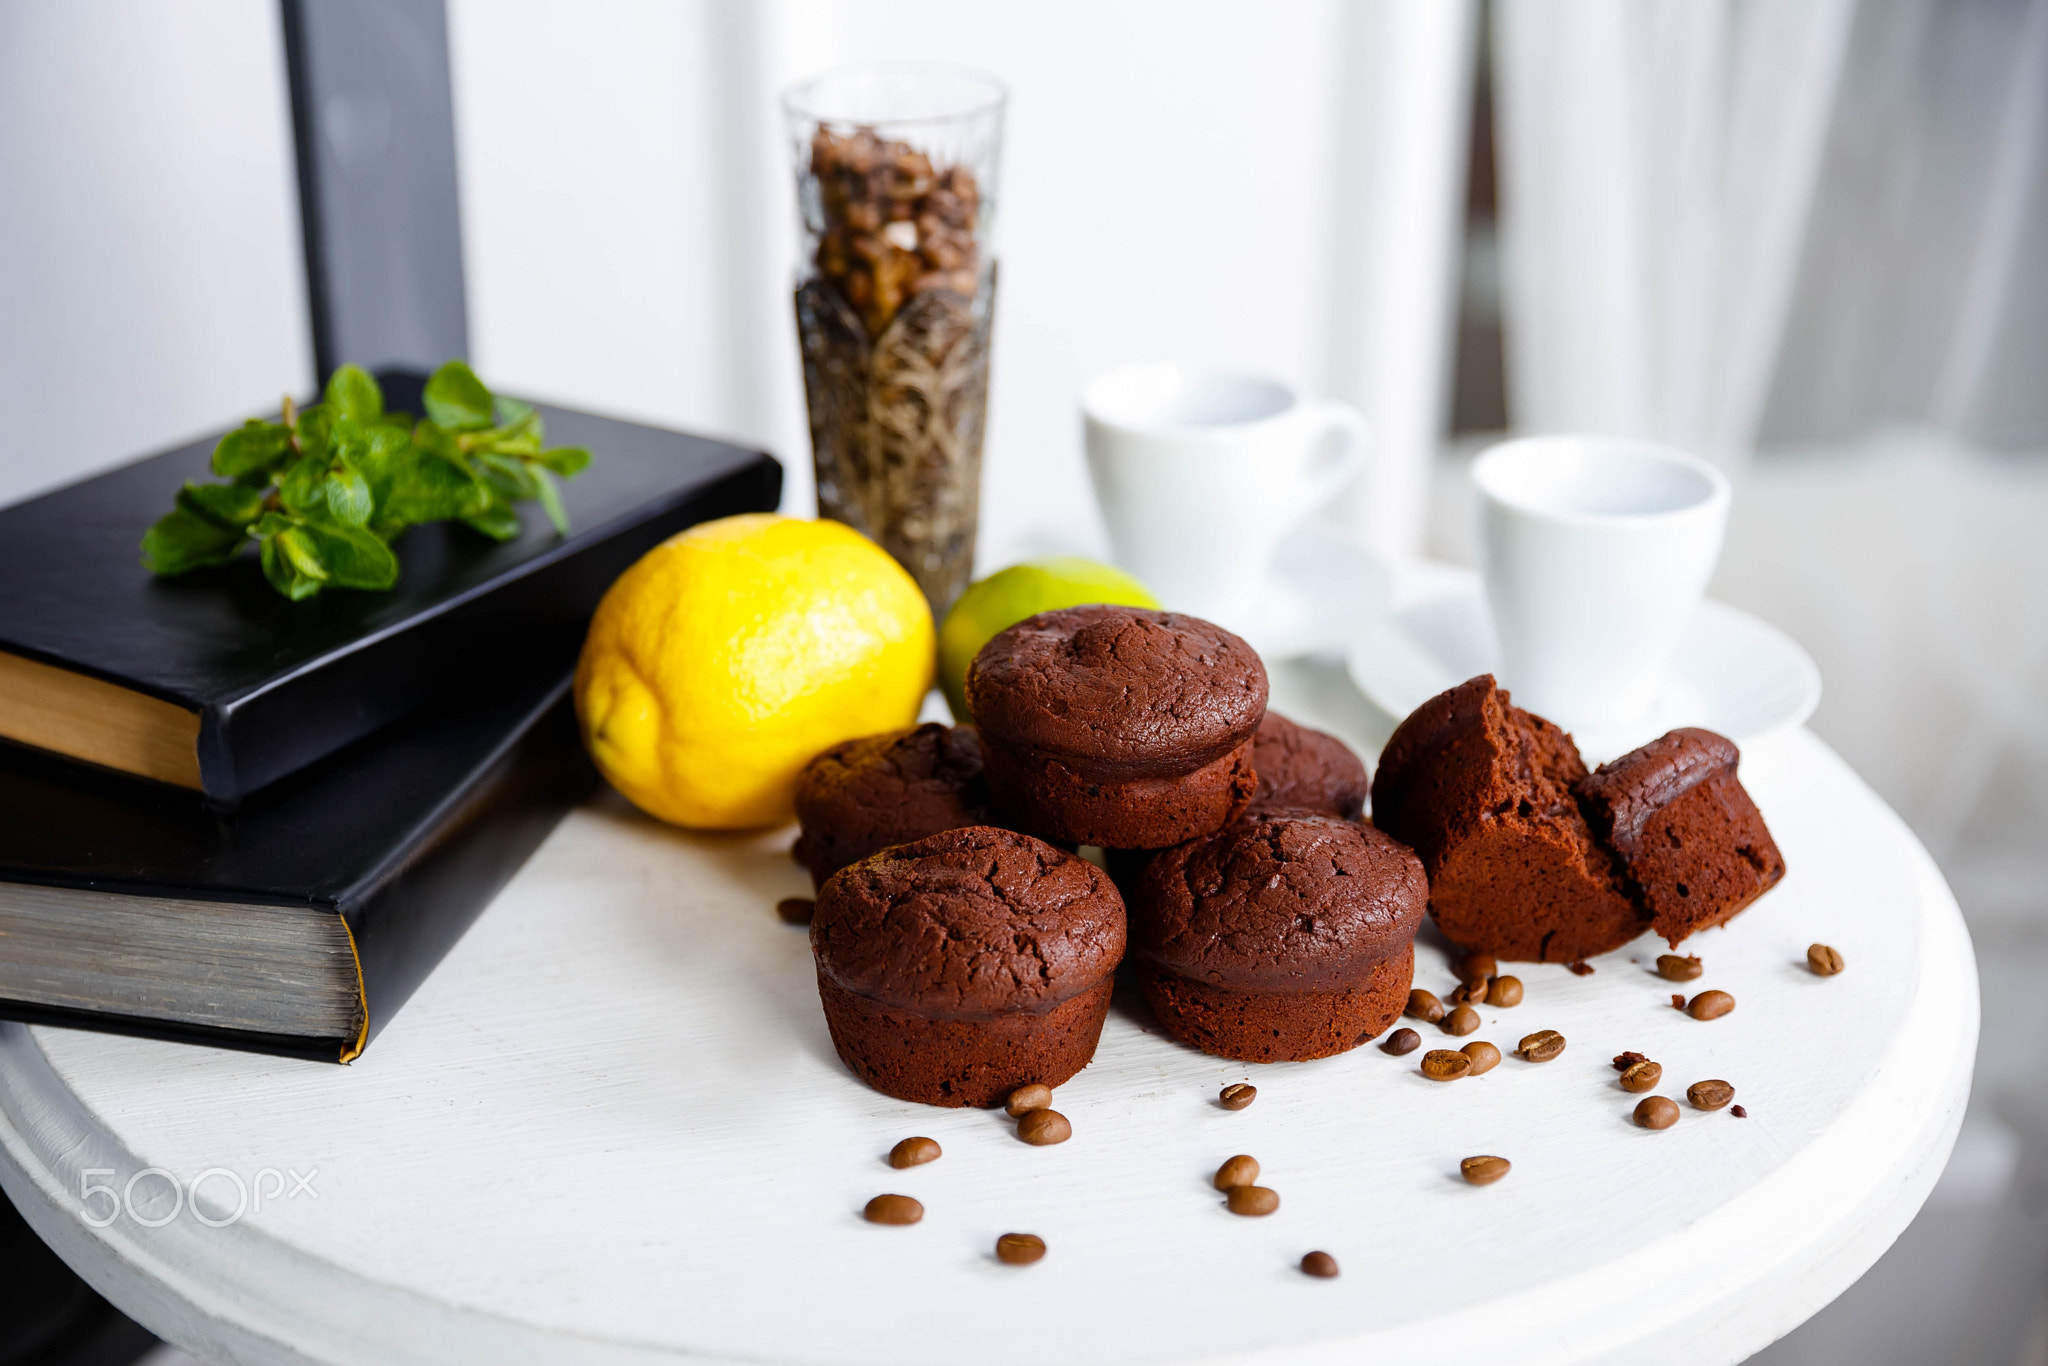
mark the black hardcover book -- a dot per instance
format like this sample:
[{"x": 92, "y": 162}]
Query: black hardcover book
[
  {"x": 214, "y": 681},
  {"x": 298, "y": 924}
]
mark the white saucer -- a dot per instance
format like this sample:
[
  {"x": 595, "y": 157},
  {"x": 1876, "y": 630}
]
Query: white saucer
[
  {"x": 1322, "y": 593},
  {"x": 1734, "y": 674}
]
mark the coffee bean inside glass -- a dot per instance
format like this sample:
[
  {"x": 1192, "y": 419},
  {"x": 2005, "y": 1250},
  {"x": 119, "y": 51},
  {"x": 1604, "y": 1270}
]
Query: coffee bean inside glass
[{"x": 896, "y": 194}]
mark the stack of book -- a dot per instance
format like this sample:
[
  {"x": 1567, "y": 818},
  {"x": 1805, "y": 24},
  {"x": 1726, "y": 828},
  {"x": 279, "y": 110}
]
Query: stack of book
[{"x": 235, "y": 819}]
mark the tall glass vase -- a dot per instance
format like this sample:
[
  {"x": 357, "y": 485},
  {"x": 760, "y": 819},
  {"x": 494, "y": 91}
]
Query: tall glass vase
[{"x": 896, "y": 172}]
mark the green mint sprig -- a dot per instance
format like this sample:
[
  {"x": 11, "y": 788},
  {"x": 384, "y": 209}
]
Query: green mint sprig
[{"x": 324, "y": 491}]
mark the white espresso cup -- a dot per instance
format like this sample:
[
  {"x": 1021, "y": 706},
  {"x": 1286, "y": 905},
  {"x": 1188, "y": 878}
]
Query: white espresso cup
[
  {"x": 1595, "y": 552},
  {"x": 1199, "y": 475}
]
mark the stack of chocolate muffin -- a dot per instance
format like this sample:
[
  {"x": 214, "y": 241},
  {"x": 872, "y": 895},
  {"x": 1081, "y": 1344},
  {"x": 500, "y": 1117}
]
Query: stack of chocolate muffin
[{"x": 963, "y": 949}]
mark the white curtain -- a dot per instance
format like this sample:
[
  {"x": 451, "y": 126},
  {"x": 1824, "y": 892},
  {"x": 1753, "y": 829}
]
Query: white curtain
[{"x": 1658, "y": 160}]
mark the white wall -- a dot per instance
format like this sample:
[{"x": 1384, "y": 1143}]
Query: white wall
[
  {"x": 151, "y": 284},
  {"x": 1167, "y": 192}
]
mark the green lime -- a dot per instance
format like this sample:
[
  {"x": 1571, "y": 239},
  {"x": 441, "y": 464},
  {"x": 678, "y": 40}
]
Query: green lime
[{"x": 1008, "y": 596}]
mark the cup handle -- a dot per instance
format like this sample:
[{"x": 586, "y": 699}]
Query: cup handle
[{"x": 1347, "y": 459}]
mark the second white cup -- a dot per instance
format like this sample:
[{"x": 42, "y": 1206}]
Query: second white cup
[
  {"x": 1595, "y": 551},
  {"x": 1199, "y": 475}
]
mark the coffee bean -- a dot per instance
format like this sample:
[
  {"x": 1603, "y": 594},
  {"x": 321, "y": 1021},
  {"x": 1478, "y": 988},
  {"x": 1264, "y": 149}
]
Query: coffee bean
[
  {"x": 1319, "y": 1264},
  {"x": 1641, "y": 1076},
  {"x": 1483, "y": 1171},
  {"x": 1473, "y": 993},
  {"x": 1425, "y": 1006},
  {"x": 1657, "y": 1112},
  {"x": 796, "y": 910},
  {"x": 1445, "y": 1064},
  {"x": 1678, "y": 1000},
  {"x": 1252, "y": 1201},
  {"x": 893, "y": 1209},
  {"x": 1739, "y": 1112},
  {"x": 1475, "y": 967},
  {"x": 1579, "y": 969},
  {"x": 1019, "y": 1249},
  {"x": 1042, "y": 1127},
  {"x": 1710, "y": 1005},
  {"x": 1541, "y": 1046},
  {"x": 1824, "y": 961},
  {"x": 1624, "y": 1061},
  {"x": 1237, "y": 1095},
  {"x": 1401, "y": 1042},
  {"x": 1241, "y": 1170},
  {"x": 1674, "y": 968},
  {"x": 1709, "y": 1095},
  {"x": 914, "y": 1152},
  {"x": 1485, "y": 1057},
  {"x": 1506, "y": 992},
  {"x": 1462, "y": 1021},
  {"x": 1026, "y": 1098}
]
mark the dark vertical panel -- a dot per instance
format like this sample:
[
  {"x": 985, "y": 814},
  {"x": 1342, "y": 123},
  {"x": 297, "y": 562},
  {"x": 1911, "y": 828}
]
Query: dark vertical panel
[{"x": 374, "y": 119}]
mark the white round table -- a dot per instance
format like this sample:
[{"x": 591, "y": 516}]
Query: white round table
[{"x": 611, "y": 1128}]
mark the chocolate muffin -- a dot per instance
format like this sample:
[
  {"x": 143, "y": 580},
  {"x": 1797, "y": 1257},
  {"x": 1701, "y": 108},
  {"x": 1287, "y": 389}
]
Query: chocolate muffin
[
  {"x": 961, "y": 966},
  {"x": 861, "y": 796},
  {"x": 1284, "y": 936},
  {"x": 1118, "y": 726},
  {"x": 1691, "y": 843},
  {"x": 1306, "y": 769},
  {"x": 1482, "y": 790}
]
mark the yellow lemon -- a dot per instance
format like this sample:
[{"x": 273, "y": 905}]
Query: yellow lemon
[{"x": 730, "y": 654}]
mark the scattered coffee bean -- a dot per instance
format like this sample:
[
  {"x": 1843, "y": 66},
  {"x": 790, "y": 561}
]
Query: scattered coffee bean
[
  {"x": 1319, "y": 1264},
  {"x": 1483, "y": 1171},
  {"x": 1252, "y": 1201},
  {"x": 1485, "y": 1057},
  {"x": 1710, "y": 1005},
  {"x": 914, "y": 1152},
  {"x": 1709, "y": 1095},
  {"x": 1019, "y": 1249},
  {"x": 1678, "y": 1000},
  {"x": 1824, "y": 961},
  {"x": 1237, "y": 1095},
  {"x": 1475, "y": 967},
  {"x": 1579, "y": 969},
  {"x": 1541, "y": 1046},
  {"x": 1674, "y": 967},
  {"x": 1641, "y": 1076},
  {"x": 893, "y": 1209},
  {"x": 1624, "y": 1061},
  {"x": 1739, "y": 1112},
  {"x": 1469, "y": 993},
  {"x": 1462, "y": 1021},
  {"x": 1028, "y": 1097},
  {"x": 796, "y": 910},
  {"x": 1241, "y": 1170},
  {"x": 1505, "y": 992},
  {"x": 1425, "y": 1006},
  {"x": 1401, "y": 1042},
  {"x": 1043, "y": 1127},
  {"x": 1445, "y": 1064},
  {"x": 1657, "y": 1112}
]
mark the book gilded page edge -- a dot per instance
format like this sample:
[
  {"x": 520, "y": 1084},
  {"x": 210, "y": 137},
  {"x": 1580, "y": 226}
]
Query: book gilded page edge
[{"x": 100, "y": 722}]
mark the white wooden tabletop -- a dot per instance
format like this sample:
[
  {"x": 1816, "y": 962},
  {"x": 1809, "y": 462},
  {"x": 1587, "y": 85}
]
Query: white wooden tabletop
[{"x": 611, "y": 1128}]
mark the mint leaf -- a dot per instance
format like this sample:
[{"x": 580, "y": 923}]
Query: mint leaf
[
  {"x": 302, "y": 488},
  {"x": 512, "y": 412},
  {"x": 351, "y": 556},
  {"x": 284, "y": 576},
  {"x": 457, "y": 399},
  {"x": 564, "y": 460},
  {"x": 551, "y": 500},
  {"x": 182, "y": 540},
  {"x": 429, "y": 489},
  {"x": 231, "y": 507},
  {"x": 348, "y": 496},
  {"x": 501, "y": 523},
  {"x": 352, "y": 396},
  {"x": 255, "y": 445},
  {"x": 508, "y": 474}
]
